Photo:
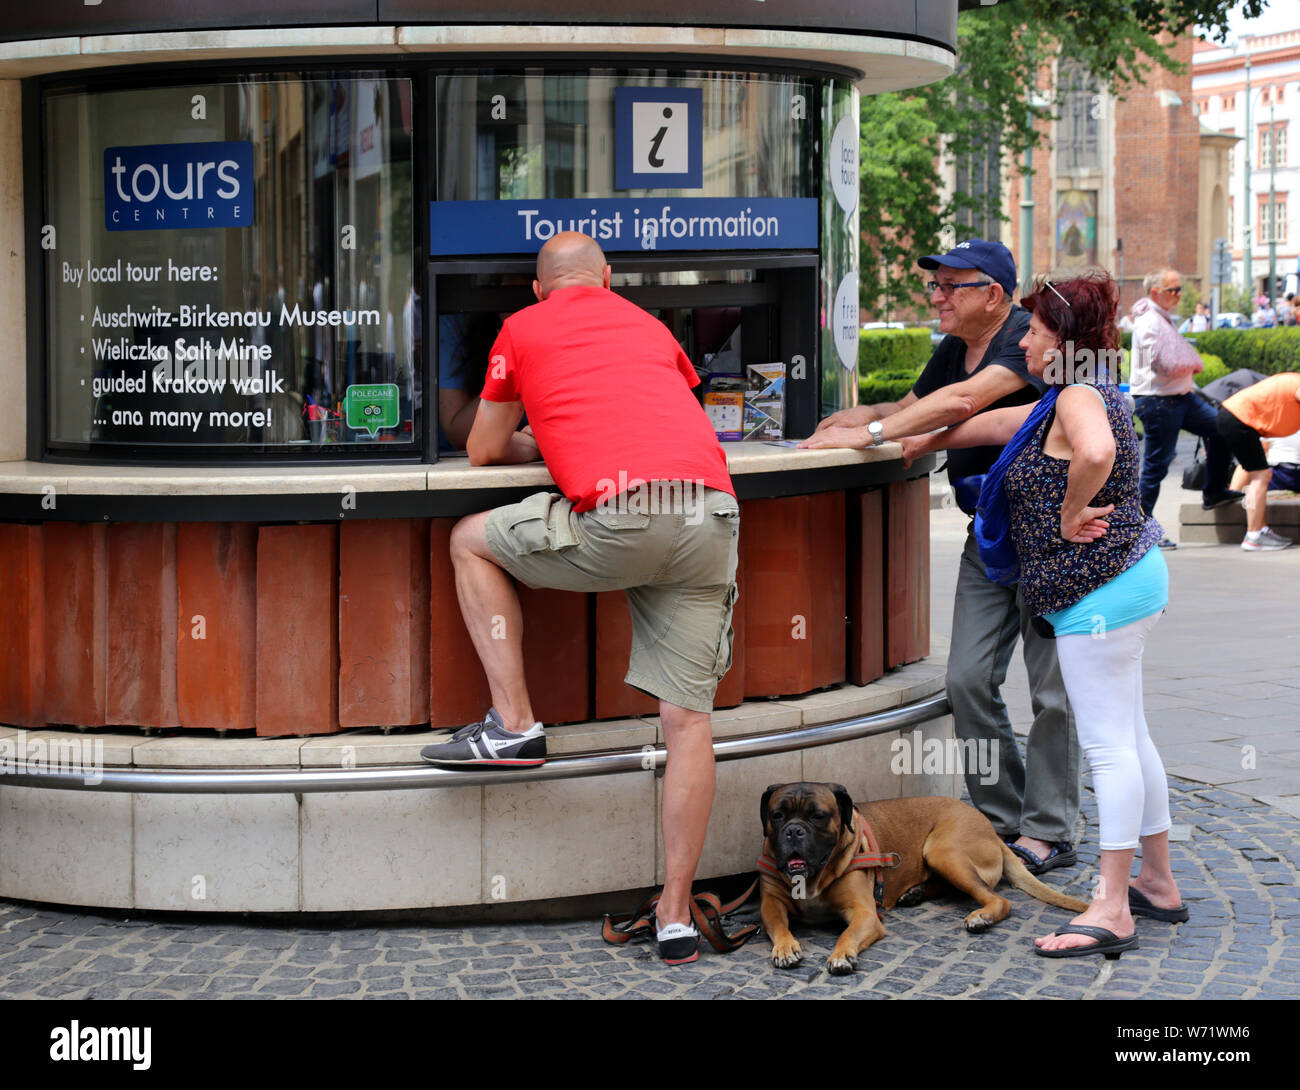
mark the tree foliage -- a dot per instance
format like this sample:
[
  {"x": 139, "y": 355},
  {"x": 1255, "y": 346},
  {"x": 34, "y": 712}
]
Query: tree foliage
[{"x": 1001, "y": 94}]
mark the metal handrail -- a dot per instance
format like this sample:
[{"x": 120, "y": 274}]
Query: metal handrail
[{"x": 406, "y": 777}]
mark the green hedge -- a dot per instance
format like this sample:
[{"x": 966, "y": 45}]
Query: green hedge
[
  {"x": 894, "y": 385},
  {"x": 893, "y": 350},
  {"x": 1269, "y": 351},
  {"x": 886, "y": 385},
  {"x": 1214, "y": 368}
]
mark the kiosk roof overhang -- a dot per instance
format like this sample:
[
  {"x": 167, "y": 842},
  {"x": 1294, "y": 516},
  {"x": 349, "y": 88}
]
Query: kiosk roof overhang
[{"x": 887, "y": 45}]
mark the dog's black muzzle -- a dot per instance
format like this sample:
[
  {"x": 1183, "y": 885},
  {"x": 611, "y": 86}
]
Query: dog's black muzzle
[{"x": 801, "y": 849}]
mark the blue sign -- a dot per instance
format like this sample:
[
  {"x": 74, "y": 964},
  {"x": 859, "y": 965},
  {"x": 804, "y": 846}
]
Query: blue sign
[
  {"x": 622, "y": 224},
  {"x": 152, "y": 187},
  {"x": 658, "y": 138}
]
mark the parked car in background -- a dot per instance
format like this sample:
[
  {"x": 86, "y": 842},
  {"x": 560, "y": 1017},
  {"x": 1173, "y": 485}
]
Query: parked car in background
[
  {"x": 883, "y": 325},
  {"x": 1230, "y": 319}
]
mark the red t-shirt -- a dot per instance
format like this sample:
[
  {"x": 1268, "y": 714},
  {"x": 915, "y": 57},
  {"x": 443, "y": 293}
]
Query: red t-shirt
[{"x": 607, "y": 391}]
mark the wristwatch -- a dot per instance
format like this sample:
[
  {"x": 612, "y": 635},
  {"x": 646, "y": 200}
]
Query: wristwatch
[{"x": 876, "y": 430}]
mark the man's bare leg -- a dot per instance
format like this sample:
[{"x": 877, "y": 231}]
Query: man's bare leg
[
  {"x": 1257, "y": 498},
  {"x": 689, "y": 781},
  {"x": 490, "y": 606}
]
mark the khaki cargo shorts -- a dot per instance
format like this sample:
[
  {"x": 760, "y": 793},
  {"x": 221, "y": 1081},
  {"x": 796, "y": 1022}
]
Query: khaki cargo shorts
[{"x": 672, "y": 549}]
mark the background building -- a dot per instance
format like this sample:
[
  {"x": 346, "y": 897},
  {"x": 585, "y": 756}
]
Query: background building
[
  {"x": 1263, "y": 120},
  {"x": 1118, "y": 182}
]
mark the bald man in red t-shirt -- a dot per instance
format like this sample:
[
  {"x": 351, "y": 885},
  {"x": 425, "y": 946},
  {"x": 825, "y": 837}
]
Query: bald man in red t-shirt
[{"x": 647, "y": 507}]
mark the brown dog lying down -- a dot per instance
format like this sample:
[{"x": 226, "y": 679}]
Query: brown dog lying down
[{"x": 814, "y": 835}]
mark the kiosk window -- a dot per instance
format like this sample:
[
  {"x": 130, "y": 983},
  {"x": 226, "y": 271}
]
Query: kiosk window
[
  {"x": 516, "y": 136},
  {"x": 233, "y": 266},
  {"x": 725, "y": 318}
]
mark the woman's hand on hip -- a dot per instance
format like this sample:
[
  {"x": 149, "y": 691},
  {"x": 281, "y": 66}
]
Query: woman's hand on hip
[{"x": 1086, "y": 526}]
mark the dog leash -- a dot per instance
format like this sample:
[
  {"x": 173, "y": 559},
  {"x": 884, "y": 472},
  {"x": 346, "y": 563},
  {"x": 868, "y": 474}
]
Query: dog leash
[{"x": 707, "y": 913}]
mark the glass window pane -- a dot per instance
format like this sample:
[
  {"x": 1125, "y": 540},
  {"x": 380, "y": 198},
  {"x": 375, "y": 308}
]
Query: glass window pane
[
  {"x": 231, "y": 259},
  {"x": 526, "y": 136}
]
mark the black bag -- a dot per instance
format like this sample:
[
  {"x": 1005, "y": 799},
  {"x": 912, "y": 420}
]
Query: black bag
[{"x": 1194, "y": 474}]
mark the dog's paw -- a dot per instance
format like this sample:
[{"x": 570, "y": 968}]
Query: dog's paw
[
  {"x": 975, "y": 923},
  {"x": 841, "y": 965},
  {"x": 913, "y": 896},
  {"x": 786, "y": 955}
]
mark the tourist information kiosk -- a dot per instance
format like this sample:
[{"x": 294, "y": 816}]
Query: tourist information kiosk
[{"x": 251, "y": 255}]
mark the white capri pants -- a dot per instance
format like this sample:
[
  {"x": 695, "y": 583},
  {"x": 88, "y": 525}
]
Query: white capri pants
[{"x": 1103, "y": 677}]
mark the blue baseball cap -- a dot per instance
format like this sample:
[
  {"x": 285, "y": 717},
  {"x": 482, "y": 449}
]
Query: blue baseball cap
[{"x": 991, "y": 258}]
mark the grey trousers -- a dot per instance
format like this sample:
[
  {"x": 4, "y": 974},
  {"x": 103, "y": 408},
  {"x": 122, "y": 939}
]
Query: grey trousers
[{"x": 1039, "y": 796}]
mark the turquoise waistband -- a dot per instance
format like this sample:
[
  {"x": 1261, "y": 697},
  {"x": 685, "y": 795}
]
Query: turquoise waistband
[{"x": 1135, "y": 593}]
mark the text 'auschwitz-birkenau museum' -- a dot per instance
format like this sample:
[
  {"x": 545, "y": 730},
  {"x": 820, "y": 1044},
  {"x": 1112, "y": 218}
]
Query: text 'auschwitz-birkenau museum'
[{"x": 254, "y": 257}]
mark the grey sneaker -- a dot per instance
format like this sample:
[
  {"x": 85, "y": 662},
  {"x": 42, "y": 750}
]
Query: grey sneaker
[
  {"x": 489, "y": 745},
  {"x": 1265, "y": 540}
]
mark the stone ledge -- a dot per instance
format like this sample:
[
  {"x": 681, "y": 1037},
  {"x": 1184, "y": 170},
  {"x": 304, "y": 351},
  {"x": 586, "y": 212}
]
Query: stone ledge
[
  {"x": 471, "y": 845},
  {"x": 1227, "y": 525},
  {"x": 449, "y": 474},
  {"x": 367, "y": 749}
]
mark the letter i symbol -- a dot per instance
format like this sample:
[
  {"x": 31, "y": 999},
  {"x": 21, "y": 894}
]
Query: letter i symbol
[{"x": 655, "y": 159}]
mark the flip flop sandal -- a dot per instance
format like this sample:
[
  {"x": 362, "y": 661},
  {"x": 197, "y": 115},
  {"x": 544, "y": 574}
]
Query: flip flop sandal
[
  {"x": 1061, "y": 855},
  {"x": 1140, "y": 905},
  {"x": 1107, "y": 943}
]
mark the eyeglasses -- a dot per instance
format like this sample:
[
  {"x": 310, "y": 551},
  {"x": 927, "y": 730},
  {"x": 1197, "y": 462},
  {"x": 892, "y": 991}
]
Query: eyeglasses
[
  {"x": 1047, "y": 283},
  {"x": 1174, "y": 291},
  {"x": 946, "y": 290}
]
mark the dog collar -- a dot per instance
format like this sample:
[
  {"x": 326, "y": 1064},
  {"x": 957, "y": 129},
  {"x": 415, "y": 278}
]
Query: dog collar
[{"x": 869, "y": 857}]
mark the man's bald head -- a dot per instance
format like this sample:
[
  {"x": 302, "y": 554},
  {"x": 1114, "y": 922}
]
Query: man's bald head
[{"x": 567, "y": 260}]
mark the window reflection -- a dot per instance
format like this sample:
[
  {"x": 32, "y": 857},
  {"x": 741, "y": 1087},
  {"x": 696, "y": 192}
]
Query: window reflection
[
  {"x": 314, "y": 296},
  {"x": 516, "y": 136}
]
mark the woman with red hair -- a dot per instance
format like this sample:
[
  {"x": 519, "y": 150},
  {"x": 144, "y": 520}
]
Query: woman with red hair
[{"x": 1059, "y": 512}]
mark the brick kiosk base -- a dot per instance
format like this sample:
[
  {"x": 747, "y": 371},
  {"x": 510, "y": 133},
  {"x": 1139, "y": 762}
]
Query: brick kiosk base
[{"x": 337, "y": 644}]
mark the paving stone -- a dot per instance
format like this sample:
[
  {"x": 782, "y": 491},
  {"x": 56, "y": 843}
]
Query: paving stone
[
  {"x": 285, "y": 987},
  {"x": 322, "y": 990}
]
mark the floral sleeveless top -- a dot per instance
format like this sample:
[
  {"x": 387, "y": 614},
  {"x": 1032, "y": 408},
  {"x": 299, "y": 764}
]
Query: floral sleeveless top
[{"x": 1055, "y": 573}]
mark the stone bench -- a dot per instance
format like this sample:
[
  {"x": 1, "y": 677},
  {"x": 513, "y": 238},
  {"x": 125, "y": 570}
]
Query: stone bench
[{"x": 1227, "y": 525}]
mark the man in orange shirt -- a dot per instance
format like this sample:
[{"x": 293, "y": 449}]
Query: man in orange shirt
[{"x": 1270, "y": 409}]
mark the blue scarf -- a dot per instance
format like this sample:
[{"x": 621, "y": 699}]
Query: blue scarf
[{"x": 993, "y": 513}]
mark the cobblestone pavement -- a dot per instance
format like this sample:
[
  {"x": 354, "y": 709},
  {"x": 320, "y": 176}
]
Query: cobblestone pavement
[{"x": 1236, "y": 863}]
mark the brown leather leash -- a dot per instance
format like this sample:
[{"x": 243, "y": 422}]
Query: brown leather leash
[{"x": 707, "y": 913}]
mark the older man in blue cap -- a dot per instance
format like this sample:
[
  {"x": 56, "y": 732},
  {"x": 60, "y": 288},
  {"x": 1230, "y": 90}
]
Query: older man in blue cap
[{"x": 978, "y": 366}]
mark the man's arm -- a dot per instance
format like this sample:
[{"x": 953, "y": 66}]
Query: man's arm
[
  {"x": 943, "y": 408},
  {"x": 861, "y": 415},
  {"x": 493, "y": 439},
  {"x": 456, "y": 411},
  {"x": 991, "y": 429},
  {"x": 1146, "y": 342}
]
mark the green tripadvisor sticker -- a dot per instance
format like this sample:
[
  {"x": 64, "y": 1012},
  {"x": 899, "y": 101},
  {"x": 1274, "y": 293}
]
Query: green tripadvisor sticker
[{"x": 370, "y": 408}]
